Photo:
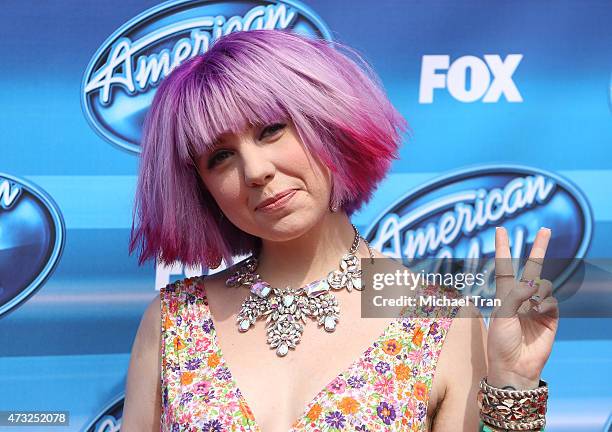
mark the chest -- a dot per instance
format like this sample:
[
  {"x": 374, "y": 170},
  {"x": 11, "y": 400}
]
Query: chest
[
  {"x": 281, "y": 391},
  {"x": 360, "y": 374}
]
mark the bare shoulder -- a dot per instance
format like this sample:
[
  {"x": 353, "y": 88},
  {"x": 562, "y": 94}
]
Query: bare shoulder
[
  {"x": 461, "y": 364},
  {"x": 152, "y": 314},
  {"x": 465, "y": 340},
  {"x": 142, "y": 406},
  {"x": 148, "y": 334}
]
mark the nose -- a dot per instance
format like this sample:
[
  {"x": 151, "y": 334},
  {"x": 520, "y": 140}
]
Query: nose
[{"x": 258, "y": 165}]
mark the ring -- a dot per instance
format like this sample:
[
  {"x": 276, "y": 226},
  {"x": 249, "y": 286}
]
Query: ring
[
  {"x": 504, "y": 275},
  {"x": 526, "y": 280},
  {"x": 534, "y": 261},
  {"x": 535, "y": 298},
  {"x": 530, "y": 282}
]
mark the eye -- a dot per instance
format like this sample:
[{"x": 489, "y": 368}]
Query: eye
[
  {"x": 215, "y": 159},
  {"x": 272, "y": 129},
  {"x": 269, "y": 130}
]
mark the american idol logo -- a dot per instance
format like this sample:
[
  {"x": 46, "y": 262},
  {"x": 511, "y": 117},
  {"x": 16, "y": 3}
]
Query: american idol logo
[
  {"x": 455, "y": 217},
  {"x": 109, "y": 420},
  {"x": 32, "y": 237},
  {"x": 121, "y": 78}
]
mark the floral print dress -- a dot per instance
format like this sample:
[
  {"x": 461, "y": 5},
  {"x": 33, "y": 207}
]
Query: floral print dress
[{"x": 385, "y": 389}]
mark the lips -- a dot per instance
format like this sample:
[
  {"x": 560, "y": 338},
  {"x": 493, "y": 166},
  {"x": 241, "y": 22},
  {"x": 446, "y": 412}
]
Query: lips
[{"x": 274, "y": 198}]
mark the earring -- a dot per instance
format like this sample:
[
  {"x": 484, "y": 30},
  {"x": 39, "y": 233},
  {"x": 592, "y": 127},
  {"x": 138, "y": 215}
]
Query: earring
[
  {"x": 214, "y": 262},
  {"x": 334, "y": 208}
]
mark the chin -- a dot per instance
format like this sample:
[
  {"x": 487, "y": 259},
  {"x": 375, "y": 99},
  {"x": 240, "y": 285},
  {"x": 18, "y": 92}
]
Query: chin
[{"x": 289, "y": 227}]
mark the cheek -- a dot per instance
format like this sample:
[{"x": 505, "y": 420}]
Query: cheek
[
  {"x": 319, "y": 177},
  {"x": 225, "y": 192},
  {"x": 228, "y": 193},
  {"x": 314, "y": 172}
]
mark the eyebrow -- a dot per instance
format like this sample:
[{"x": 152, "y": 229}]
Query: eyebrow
[
  {"x": 217, "y": 142},
  {"x": 213, "y": 144}
]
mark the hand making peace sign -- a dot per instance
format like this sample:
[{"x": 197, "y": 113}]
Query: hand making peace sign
[{"x": 522, "y": 329}]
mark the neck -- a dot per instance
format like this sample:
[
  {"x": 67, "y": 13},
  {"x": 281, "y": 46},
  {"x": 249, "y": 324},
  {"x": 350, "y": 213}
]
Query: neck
[{"x": 311, "y": 256}]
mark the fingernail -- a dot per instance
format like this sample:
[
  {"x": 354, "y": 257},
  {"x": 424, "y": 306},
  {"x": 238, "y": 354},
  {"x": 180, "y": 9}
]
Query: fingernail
[{"x": 547, "y": 229}]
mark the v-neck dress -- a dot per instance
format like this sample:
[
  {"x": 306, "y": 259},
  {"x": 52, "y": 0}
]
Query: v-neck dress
[{"x": 385, "y": 389}]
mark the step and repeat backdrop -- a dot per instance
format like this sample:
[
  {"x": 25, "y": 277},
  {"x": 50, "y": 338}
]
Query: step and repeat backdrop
[{"x": 510, "y": 109}]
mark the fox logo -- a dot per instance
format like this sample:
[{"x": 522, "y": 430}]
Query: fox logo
[{"x": 488, "y": 80}]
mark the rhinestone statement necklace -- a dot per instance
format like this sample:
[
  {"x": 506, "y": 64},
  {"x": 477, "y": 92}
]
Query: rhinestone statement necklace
[{"x": 286, "y": 309}]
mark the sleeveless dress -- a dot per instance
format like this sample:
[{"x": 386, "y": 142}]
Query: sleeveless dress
[{"x": 385, "y": 389}]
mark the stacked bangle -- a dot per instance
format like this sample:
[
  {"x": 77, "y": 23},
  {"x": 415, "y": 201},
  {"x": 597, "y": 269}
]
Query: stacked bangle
[
  {"x": 513, "y": 410},
  {"x": 486, "y": 428}
]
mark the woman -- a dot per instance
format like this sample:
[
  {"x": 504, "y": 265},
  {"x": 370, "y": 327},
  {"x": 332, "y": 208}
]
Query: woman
[{"x": 265, "y": 146}]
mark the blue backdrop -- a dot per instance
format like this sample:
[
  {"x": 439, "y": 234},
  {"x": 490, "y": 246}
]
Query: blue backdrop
[{"x": 505, "y": 101}]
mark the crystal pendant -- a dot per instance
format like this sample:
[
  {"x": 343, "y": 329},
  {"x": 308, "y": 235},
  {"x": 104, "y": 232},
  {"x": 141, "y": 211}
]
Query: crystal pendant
[
  {"x": 261, "y": 289},
  {"x": 282, "y": 350},
  {"x": 330, "y": 323},
  {"x": 337, "y": 279},
  {"x": 316, "y": 288},
  {"x": 288, "y": 300},
  {"x": 244, "y": 325}
]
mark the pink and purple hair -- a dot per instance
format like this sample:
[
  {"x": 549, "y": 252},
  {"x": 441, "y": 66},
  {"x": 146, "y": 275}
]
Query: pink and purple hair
[{"x": 256, "y": 77}]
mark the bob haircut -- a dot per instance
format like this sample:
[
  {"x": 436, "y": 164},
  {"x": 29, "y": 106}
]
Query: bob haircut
[{"x": 341, "y": 113}]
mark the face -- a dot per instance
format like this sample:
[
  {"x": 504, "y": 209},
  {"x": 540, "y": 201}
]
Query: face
[{"x": 245, "y": 169}]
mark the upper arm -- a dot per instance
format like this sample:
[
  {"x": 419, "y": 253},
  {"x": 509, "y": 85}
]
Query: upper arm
[
  {"x": 142, "y": 406},
  {"x": 461, "y": 365}
]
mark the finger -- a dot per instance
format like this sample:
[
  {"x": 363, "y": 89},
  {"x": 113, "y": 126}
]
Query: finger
[
  {"x": 517, "y": 300},
  {"x": 549, "y": 306},
  {"x": 533, "y": 266},
  {"x": 504, "y": 272},
  {"x": 544, "y": 290}
]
